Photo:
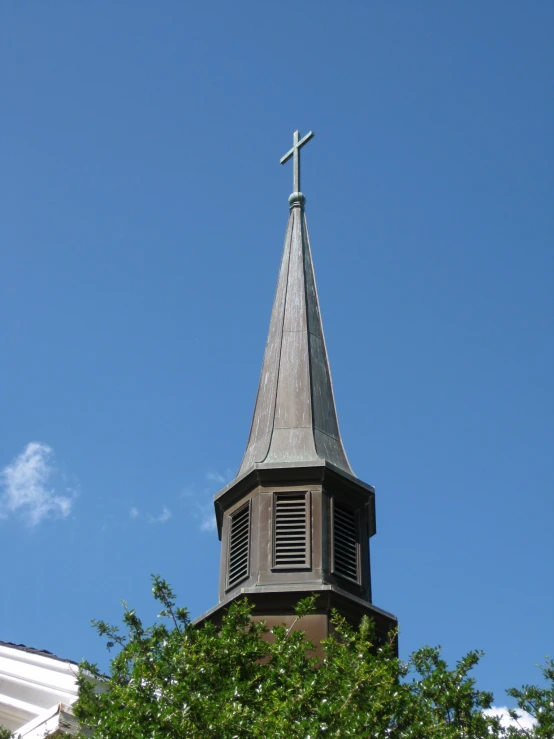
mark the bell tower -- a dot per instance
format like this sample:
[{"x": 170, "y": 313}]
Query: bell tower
[{"x": 296, "y": 520}]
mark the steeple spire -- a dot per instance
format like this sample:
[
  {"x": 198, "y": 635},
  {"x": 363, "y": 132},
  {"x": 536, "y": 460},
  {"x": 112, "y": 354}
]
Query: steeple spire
[
  {"x": 295, "y": 520},
  {"x": 295, "y": 419}
]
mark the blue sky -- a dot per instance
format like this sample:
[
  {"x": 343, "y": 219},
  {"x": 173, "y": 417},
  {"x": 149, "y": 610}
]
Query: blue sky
[{"x": 143, "y": 215}]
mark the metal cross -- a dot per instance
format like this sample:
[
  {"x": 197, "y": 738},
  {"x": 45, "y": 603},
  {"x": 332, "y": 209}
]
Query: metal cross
[{"x": 298, "y": 143}]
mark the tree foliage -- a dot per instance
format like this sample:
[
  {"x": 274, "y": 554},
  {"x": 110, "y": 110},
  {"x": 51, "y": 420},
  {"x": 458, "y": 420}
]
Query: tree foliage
[
  {"x": 539, "y": 702},
  {"x": 174, "y": 680}
]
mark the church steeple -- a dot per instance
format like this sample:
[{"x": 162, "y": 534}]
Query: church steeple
[
  {"x": 295, "y": 419},
  {"x": 296, "y": 520}
]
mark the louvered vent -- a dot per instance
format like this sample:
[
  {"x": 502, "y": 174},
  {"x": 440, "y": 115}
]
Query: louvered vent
[
  {"x": 239, "y": 546},
  {"x": 345, "y": 542},
  {"x": 291, "y": 531}
]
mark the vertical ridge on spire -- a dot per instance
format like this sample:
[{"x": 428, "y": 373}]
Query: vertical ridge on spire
[{"x": 295, "y": 418}]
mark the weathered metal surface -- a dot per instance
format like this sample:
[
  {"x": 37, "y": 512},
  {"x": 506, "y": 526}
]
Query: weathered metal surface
[
  {"x": 295, "y": 418},
  {"x": 277, "y": 607},
  {"x": 297, "y": 144},
  {"x": 322, "y": 488}
]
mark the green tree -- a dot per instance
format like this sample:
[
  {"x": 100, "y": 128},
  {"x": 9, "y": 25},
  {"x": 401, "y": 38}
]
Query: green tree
[
  {"x": 539, "y": 702},
  {"x": 176, "y": 680}
]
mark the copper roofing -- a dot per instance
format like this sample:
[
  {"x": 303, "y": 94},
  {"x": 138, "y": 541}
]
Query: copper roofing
[{"x": 295, "y": 419}]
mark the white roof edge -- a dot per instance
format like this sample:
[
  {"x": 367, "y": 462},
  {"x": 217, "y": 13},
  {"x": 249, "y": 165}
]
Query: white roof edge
[
  {"x": 60, "y": 716},
  {"x": 67, "y": 694},
  {"x": 39, "y": 660},
  {"x": 38, "y": 720}
]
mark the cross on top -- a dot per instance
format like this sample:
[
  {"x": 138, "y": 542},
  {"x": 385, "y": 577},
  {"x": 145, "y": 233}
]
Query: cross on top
[{"x": 298, "y": 143}]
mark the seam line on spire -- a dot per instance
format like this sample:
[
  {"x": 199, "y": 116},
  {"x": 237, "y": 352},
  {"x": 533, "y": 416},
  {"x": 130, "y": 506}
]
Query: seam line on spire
[
  {"x": 322, "y": 338},
  {"x": 289, "y": 246},
  {"x": 305, "y": 247}
]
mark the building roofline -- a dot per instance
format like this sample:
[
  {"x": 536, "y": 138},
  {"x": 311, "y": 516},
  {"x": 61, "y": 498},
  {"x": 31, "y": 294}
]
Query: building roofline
[{"x": 38, "y": 652}]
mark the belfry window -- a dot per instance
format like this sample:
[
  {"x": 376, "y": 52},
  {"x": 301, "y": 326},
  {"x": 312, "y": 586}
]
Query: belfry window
[
  {"x": 239, "y": 546},
  {"x": 291, "y": 538},
  {"x": 346, "y": 542}
]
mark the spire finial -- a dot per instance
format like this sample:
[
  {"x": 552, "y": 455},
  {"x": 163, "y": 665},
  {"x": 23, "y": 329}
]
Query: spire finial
[{"x": 298, "y": 143}]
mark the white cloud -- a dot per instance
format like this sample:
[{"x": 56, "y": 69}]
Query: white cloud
[
  {"x": 133, "y": 513},
  {"x": 202, "y": 511},
  {"x": 197, "y": 493},
  {"x": 164, "y": 516},
  {"x": 215, "y": 477},
  {"x": 207, "y": 519},
  {"x": 525, "y": 721},
  {"x": 26, "y": 487},
  {"x": 219, "y": 477}
]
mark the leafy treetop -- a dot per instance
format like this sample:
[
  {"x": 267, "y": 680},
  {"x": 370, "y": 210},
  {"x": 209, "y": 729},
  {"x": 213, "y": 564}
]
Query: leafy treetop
[{"x": 175, "y": 680}]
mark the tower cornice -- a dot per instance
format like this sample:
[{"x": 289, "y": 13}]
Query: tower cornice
[{"x": 285, "y": 473}]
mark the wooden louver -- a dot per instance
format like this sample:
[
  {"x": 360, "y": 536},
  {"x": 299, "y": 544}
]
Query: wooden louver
[
  {"x": 345, "y": 542},
  {"x": 291, "y": 530},
  {"x": 239, "y": 546}
]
